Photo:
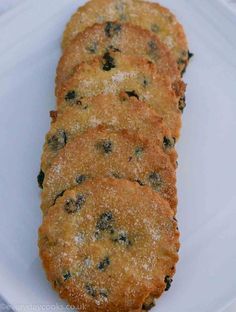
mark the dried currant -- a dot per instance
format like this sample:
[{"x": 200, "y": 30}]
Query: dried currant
[
  {"x": 103, "y": 264},
  {"x": 152, "y": 49},
  {"x": 40, "y": 178},
  {"x": 190, "y": 55},
  {"x": 168, "y": 281},
  {"x": 70, "y": 96},
  {"x": 103, "y": 292},
  {"x": 112, "y": 29},
  {"x": 155, "y": 180},
  {"x": 80, "y": 178},
  {"x": 92, "y": 48},
  {"x": 53, "y": 115},
  {"x": 155, "y": 28},
  {"x": 140, "y": 182},
  {"x": 145, "y": 82},
  {"x": 182, "y": 104},
  {"x": 168, "y": 142},
  {"x": 122, "y": 238},
  {"x": 72, "y": 206},
  {"x": 90, "y": 290},
  {"x": 66, "y": 276},
  {"x": 132, "y": 93},
  {"x": 104, "y": 222},
  {"x": 148, "y": 304},
  {"x": 116, "y": 175},
  {"x": 138, "y": 151},
  {"x": 109, "y": 62},
  {"x": 113, "y": 49},
  {"x": 105, "y": 146},
  {"x": 58, "y": 140}
]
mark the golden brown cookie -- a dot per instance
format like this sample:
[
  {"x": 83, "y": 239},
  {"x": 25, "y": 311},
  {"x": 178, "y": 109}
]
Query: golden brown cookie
[
  {"x": 117, "y": 112},
  {"x": 128, "y": 39},
  {"x": 109, "y": 245},
  {"x": 147, "y": 15},
  {"x": 114, "y": 73},
  {"x": 101, "y": 152}
]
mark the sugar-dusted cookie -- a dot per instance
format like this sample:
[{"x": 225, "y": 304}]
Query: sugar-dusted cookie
[
  {"x": 118, "y": 112},
  {"x": 127, "y": 39},
  {"x": 114, "y": 73},
  {"x": 102, "y": 152},
  {"x": 147, "y": 15},
  {"x": 109, "y": 245}
]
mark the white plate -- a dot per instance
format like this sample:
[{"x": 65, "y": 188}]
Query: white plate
[{"x": 29, "y": 51}]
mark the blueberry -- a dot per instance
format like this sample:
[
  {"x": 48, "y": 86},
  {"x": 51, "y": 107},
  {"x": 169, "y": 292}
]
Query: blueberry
[
  {"x": 40, "y": 178},
  {"x": 168, "y": 281},
  {"x": 109, "y": 62},
  {"x": 58, "y": 140},
  {"x": 103, "y": 264},
  {"x": 132, "y": 93}
]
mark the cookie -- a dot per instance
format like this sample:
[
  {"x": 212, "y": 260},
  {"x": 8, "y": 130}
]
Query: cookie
[
  {"x": 127, "y": 39},
  {"x": 147, "y": 15},
  {"x": 109, "y": 245},
  {"x": 101, "y": 152},
  {"x": 114, "y": 73},
  {"x": 118, "y": 112}
]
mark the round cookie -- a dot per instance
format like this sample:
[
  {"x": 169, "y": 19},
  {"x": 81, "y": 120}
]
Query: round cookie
[
  {"x": 147, "y": 15},
  {"x": 118, "y": 112},
  {"x": 109, "y": 245},
  {"x": 114, "y": 73},
  {"x": 102, "y": 152},
  {"x": 128, "y": 39}
]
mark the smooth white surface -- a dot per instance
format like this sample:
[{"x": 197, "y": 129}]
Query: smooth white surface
[{"x": 29, "y": 48}]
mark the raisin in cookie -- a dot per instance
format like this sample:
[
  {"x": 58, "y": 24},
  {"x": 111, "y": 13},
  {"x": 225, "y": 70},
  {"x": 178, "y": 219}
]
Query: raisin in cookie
[
  {"x": 128, "y": 39},
  {"x": 114, "y": 73},
  {"x": 103, "y": 152},
  {"x": 109, "y": 245},
  {"x": 147, "y": 15},
  {"x": 118, "y": 112}
]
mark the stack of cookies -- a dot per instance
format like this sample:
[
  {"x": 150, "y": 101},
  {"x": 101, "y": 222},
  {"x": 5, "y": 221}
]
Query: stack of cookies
[{"x": 109, "y": 239}]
